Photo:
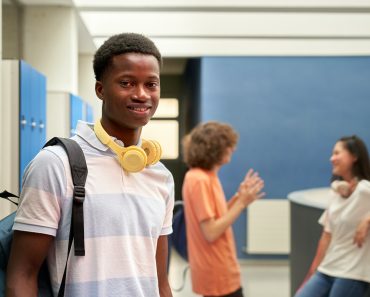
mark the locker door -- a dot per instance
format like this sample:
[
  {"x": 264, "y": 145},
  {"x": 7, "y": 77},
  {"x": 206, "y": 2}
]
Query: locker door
[
  {"x": 89, "y": 113},
  {"x": 32, "y": 112},
  {"x": 77, "y": 111},
  {"x": 33, "y": 98},
  {"x": 41, "y": 111},
  {"x": 25, "y": 153}
]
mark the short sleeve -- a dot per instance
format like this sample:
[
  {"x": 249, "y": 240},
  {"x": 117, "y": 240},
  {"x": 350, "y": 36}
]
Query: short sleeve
[
  {"x": 201, "y": 200},
  {"x": 170, "y": 201},
  {"x": 43, "y": 186},
  {"x": 324, "y": 221}
]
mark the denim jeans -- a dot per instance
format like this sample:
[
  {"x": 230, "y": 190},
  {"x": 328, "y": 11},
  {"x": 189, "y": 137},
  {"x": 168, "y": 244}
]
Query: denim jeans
[{"x": 322, "y": 285}]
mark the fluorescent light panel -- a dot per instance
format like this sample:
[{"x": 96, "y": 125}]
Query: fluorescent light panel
[
  {"x": 222, "y": 3},
  {"x": 224, "y": 24}
]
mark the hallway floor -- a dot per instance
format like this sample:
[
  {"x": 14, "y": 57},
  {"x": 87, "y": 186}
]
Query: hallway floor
[{"x": 260, "y": 278}]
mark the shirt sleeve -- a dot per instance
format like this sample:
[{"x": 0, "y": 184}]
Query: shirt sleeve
[
  {"x": 324, "y": 221},
  {"x": 201, "y": 200},
  {"x": 170, "y": 201},
  {"x": 42, "y": 190}
]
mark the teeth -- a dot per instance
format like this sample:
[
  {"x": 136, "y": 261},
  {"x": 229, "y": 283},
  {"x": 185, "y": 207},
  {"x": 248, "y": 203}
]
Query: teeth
[{"x": 141, "y": 109}]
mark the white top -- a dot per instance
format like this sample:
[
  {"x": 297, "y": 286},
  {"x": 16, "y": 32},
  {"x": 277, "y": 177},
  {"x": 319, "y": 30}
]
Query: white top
[
  {"x": 124, "y": 215},
  {"x": 344, "y": 258}
]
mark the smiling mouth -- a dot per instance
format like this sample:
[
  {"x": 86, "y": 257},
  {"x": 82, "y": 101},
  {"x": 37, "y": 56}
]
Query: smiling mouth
[{"x": 139, "y": 109}]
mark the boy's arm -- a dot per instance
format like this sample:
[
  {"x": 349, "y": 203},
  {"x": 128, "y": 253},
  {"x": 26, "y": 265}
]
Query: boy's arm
[
  {"x": 27, "y": 254},
  {"x": 162, "y": 259}
]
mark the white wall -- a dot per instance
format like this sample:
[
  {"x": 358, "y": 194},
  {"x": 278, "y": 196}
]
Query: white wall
[
  {"x": 49, "y": 43},
  {"x": 86, "y": 83},
  {"x": 58, "y": 114},
  {"x": 11, "y": 32},
  {"x": 9, "y": 134}
]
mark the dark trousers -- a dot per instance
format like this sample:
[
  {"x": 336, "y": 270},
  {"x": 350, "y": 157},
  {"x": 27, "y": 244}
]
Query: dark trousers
[{"x": 237, "y": 293}]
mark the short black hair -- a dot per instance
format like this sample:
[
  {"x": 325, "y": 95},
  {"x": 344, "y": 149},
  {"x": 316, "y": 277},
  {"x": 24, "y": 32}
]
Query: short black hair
[{"x": 121, "y": 44}]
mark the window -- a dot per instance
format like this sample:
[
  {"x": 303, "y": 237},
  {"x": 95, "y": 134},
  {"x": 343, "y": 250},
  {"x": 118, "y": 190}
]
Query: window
[{"x": 164, "y": 127}]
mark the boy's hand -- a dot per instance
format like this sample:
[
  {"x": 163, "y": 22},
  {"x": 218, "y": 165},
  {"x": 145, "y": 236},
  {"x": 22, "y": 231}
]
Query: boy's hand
[{"x": 250, "y": 189}]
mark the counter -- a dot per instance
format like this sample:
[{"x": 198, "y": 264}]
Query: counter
[{"x": 306, "y": 208}]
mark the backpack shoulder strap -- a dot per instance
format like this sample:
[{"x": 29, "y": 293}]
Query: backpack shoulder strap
[
  {"x": 78, "y": 167},
  {"x": 79, "y": 171},
  {"x": 9, "y": 196}
]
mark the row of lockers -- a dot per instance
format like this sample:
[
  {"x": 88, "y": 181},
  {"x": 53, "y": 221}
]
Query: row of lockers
[{"x": 31, "y": 109}]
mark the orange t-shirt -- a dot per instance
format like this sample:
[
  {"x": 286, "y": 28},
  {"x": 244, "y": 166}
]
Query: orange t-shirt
[{"x": 214, "y": 266}]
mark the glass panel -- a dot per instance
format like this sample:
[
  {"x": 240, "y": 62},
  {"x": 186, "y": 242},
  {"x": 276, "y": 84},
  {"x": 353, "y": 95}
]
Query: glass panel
[
  {"x": 167, "y": 108},
  {"x": 167, "y": 133}
]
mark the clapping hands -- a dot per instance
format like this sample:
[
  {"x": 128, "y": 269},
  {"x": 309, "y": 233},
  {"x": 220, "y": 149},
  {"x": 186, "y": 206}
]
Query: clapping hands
[{"x": 250, "y": 188}]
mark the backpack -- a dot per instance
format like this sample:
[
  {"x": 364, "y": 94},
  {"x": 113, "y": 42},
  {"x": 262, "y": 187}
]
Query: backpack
[
  {"x": 178, "y": 236},
  {"x": 79, "y": 174},
  {"x": 177, "y": 239}
]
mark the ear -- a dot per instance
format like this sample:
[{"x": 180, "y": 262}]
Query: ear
[{"x": 99, "y": 90}]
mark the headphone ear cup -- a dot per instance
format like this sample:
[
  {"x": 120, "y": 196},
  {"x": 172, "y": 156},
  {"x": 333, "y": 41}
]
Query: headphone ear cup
[
  {"x": 151, "y": 151},
  {"x": 158, "y": 155},
  {"x": 134, "y": 159}
]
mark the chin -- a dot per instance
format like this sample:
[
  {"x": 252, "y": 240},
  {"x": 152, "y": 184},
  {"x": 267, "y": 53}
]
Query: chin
[{"x": 336, "y": 173}]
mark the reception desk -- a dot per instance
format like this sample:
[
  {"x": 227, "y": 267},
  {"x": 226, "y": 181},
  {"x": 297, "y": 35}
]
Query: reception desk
[
  {"x": 306, "y": 208},
  {"x": 305, "y": 211}
]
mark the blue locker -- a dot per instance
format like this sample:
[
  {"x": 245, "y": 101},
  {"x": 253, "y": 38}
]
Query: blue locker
[
  {"x": 89, "y": 113},
  {"x": 32, "y": 112},
  {"x": 77, "y": 111}
]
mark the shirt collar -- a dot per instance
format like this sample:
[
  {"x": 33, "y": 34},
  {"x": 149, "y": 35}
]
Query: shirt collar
[{"x": 85, "y": 130}]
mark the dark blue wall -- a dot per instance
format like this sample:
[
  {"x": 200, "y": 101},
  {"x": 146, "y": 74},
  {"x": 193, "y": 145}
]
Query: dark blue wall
[{"x": 289, "y": 111}]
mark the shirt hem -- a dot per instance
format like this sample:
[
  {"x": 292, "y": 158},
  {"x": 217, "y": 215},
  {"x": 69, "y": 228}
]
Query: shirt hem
[
  {"x": 34, "y": 228},
  {"x": 344, "y": 275}
]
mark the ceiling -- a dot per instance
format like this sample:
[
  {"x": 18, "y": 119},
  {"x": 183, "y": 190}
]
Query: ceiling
[
  {"x": 212, "y": 27},
  {"x": 193, "y": 28}
]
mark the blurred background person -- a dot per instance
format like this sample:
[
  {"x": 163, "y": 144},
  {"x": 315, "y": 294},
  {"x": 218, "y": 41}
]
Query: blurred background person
[
  {"x": 341, "y": 266},
  {"x": 212, "y": 253}
]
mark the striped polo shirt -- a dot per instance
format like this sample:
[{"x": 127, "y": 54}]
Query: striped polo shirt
[{"x": 124, "y": 214}]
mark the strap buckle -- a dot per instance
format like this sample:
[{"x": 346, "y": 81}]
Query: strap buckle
[{"x": 79, "y": 194}]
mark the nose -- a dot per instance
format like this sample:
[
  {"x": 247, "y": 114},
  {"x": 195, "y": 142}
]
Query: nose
[{"x": 141, "y": 93}]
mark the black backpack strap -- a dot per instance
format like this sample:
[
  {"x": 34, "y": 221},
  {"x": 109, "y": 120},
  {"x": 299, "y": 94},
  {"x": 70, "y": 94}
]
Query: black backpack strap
[
  {"x": 78, "y": 166},
  {"x": 6, "y": 195}
]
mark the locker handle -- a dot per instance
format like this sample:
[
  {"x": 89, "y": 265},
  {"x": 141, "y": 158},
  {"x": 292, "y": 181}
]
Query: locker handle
[
  {"x": 33, "y": 124},
  {"x": 41, "y": 125},
  {"x": 23, "y": 121}
]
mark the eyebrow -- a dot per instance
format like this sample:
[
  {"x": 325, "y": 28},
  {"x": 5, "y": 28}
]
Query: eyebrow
[{"x": 133, "y": 76}]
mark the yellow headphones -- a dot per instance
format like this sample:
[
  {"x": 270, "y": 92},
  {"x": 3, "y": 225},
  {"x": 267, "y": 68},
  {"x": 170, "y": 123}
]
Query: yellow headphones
[{"x": 132, "y": 158}]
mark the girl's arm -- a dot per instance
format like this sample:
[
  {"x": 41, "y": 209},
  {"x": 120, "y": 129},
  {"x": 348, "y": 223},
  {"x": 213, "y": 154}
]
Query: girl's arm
[
  {"x": 362, "y": 231},
  {"x": 320, "y": 254}
]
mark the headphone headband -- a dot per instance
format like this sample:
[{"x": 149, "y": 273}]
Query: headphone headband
[{"x": 132, "y": 158}]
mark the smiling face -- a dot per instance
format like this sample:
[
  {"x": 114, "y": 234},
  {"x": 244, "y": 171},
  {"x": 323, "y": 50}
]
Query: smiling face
[
  {"x": 342, "y": 161},
  {"x": 130, "y": 90}
]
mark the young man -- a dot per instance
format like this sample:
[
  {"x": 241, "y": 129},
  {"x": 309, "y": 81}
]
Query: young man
[{"x": 127, "y": 216}]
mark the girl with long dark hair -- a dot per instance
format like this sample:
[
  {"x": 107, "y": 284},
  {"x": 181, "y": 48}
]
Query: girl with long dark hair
[{"x": 341, "y": 267}]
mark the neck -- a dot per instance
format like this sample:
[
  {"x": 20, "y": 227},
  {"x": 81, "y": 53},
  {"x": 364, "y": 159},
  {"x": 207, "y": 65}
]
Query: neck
[
  {"x": 349, "y": 177},
  {"x": 216, "y": 168},
  {"x": 127, "y": 135}
]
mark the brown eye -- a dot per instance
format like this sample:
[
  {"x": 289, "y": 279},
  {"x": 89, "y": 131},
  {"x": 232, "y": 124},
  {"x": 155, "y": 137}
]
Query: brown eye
[
  {"x": 152, "y": 85},
  {"x": 124, "y": 83}
]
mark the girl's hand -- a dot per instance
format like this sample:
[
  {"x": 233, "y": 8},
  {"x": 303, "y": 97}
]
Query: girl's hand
[{"x": 362, "y": 231}]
